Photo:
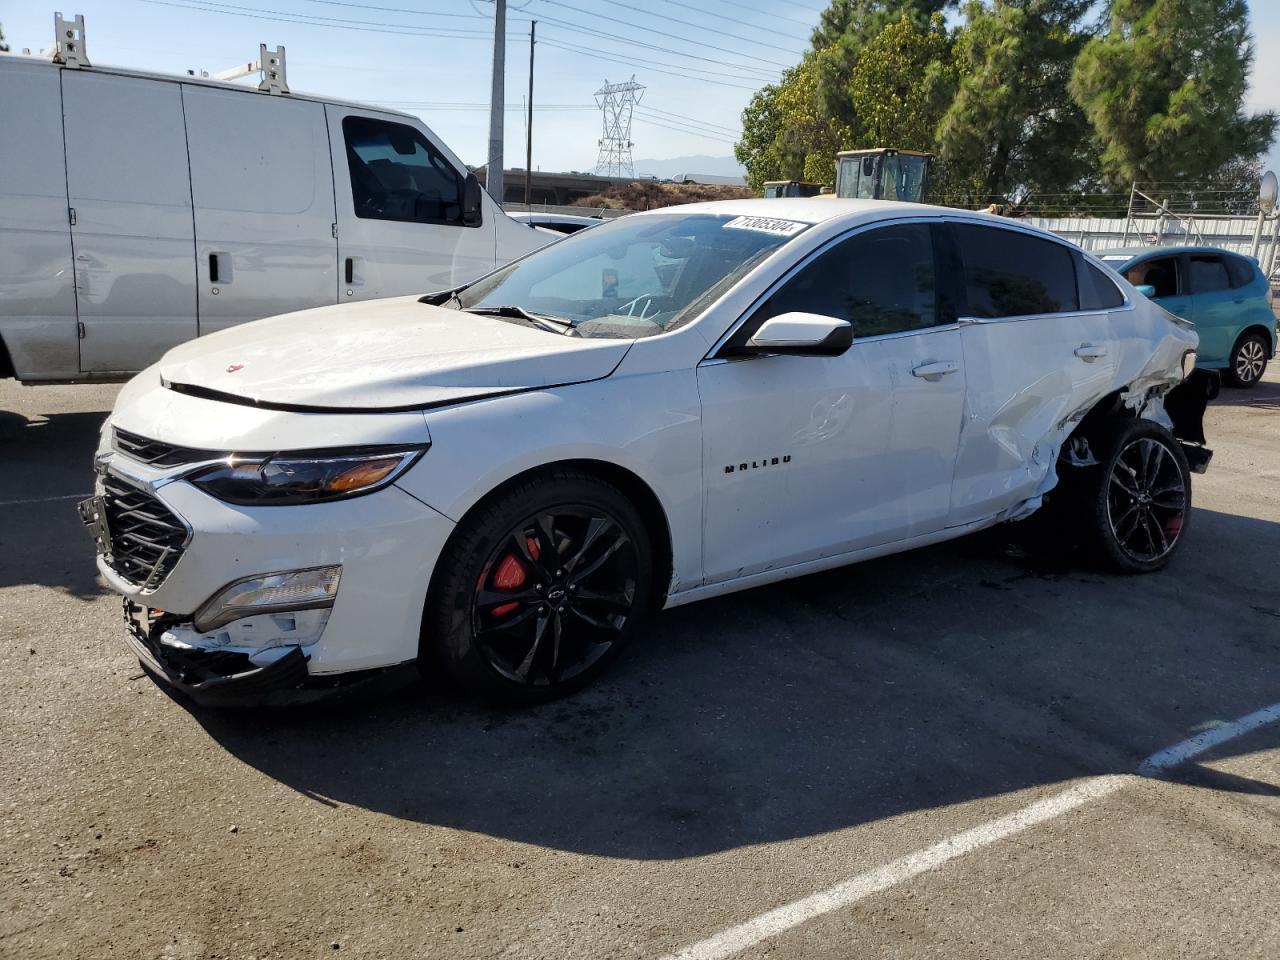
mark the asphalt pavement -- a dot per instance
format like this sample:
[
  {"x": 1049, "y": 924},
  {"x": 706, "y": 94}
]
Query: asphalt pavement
[{"x": 875, "y": 735}]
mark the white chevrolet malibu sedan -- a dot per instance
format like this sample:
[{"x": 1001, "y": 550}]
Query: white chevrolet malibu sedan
[{"x": 499, "y": 481}]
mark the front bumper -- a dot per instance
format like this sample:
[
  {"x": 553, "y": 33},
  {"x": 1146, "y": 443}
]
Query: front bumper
[{"x": 216, "y": 678}]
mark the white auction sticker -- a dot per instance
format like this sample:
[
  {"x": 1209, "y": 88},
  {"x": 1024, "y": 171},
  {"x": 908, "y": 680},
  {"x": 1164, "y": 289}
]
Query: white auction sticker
[{"x": 781, "y": 228}]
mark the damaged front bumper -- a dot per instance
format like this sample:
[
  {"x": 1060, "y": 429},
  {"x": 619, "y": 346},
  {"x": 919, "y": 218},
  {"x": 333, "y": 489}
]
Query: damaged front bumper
[{"x": 229, "y": 678}]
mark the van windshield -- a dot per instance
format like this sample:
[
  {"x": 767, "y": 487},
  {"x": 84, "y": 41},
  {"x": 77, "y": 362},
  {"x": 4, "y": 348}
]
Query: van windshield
[{"x": 633, "y": 277}]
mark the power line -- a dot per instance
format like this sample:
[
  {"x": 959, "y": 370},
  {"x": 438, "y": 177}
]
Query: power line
[
  {"x": 405, "y": 30},
  {"x": 690, "y": 128},
  {"x": 693, "y": 133},
  {"x": 593, "y": 55},
  {"x": 704, "y": 123},
  {"x": 696, "y": 26},
  {"x": 660, "y": 33},
  {"x": 743, "y": 6},
  {"x": 573, "y": 47}
]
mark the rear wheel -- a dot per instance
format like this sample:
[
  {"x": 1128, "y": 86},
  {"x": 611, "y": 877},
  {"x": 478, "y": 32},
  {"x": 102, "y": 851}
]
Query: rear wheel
[
  {"x": 539, "y": 590},
  {"x": 1248, "y": 361},
  {"x": 1140, "y": 498}
]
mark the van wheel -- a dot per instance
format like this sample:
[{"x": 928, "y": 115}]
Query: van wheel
[
  {"x": 539, "y": 590},
  {"x": 1248, "y": 360},
  {"x": 1139, "y": 498}
]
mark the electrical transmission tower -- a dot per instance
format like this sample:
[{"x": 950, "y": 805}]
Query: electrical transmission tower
[{"x": 616, "y": 101}]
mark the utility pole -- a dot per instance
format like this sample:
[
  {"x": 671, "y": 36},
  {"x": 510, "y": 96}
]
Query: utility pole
[
  {"x": 497, "y": 103},
  {"x": 528, "y": 143}
]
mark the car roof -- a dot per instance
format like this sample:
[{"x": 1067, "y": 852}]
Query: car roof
[
  {"x": 816, "y": 210},
  {"x": 1134, "y": 252}
]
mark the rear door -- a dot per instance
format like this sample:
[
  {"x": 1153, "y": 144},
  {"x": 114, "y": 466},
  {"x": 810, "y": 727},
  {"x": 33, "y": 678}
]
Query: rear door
[
  {"x": 1033, "y": 359},
  {"x": 811, "y": 457},
  {"x": 262, "y": 185},
  {"x": 133, "y": 238},
  {"x": 1217, "y": 306},
  {"x": 400, "y": 209}
]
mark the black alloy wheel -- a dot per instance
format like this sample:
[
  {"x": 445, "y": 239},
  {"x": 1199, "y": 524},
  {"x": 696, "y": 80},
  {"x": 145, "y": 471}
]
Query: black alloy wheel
[
  {"x": 1142, "y": 502},
  {"x": 537, "y": 593}
]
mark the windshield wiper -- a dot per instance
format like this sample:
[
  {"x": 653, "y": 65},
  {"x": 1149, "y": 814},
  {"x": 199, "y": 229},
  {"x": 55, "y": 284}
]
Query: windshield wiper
[
  {"x": 442, "y": 297},
  {"x": 513, "y": 312}
]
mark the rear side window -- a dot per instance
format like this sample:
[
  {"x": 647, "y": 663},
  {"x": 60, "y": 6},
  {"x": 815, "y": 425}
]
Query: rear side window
[
  {"x": 1208, "y": 273},
  {"x": 396, "y": 174},
  {"x": 1097, "y": 290},
  {"x": 1240, "y": 272},
  {"x": 882, "y": 281},
  {"x": 1010, "y": 274}
]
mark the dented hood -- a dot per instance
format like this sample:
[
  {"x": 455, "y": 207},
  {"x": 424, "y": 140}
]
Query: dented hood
[{"x": 381, "y": 355}]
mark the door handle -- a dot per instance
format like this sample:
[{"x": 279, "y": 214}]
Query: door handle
[
  {"x": 1089, "y": 352},
  {"x": 934, "y": 370},
  {"x": 213, "y": 268},
  {"x": 350, "y": 269}
]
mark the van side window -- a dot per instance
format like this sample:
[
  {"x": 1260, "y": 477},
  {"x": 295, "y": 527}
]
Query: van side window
[
  {"x": 1097, "y": 290},
  {"x": 1208, "y": 273},
  {"x": 1010, "y": 274},
  {"x": 882, "y": 281},
  {"x": 396, "y": 174},
  {"x": 1159, "y": 272}
]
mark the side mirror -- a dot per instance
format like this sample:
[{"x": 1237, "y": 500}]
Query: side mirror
[
  {"x": 472, "y": 208},
  {"x": 802, "y": 335},
  {"x": 1147, "y": 290}
]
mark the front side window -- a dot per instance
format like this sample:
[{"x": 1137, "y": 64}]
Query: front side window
[
  {"x": 1208, "y": 274},
  {"x": 882, "y": 281},
  {"x": 396, "y": 174},
  {"x": 632, "y": 277},
  {"x": 1012, "y": 274},
  {"x": 1159, "y": 272}
]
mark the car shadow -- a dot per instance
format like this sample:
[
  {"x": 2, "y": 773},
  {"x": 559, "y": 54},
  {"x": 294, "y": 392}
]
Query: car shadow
[
  {"x": 38, "y": 519},
  {"x": 898, "y": 685},
  {"x": 1266, "y": 395}
]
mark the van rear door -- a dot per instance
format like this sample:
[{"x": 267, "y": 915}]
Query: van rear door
[
  {"x": 132, "y": 236},
  {"x": 400, "y": 209},
  {"x": 262, "y": 185}
]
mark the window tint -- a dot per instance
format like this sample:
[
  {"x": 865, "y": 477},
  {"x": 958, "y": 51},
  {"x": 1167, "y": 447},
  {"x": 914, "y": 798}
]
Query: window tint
[
  {"x": 1208, "y": 273},
  {"x": 1010, "y": 274},
  {"x": 1240, "y": 271},
  {"x": 397, "y": 175},
  {"x": 1161, "y": 273},
  {"x": 881, "y": 282},
  {"x": 1097, "y": 290}
]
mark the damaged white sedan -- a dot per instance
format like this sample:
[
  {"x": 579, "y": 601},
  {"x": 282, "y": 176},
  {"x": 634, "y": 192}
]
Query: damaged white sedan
[{"x": 499, "y": 481}]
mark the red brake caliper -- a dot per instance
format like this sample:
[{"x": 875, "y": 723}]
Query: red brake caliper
[{"x": 510, "y": 575}]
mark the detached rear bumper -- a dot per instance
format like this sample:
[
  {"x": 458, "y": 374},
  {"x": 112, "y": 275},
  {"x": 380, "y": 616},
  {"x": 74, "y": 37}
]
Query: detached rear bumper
[
  {"x": 1185, "y": 405},
  {"x": 215, "y": 678}
]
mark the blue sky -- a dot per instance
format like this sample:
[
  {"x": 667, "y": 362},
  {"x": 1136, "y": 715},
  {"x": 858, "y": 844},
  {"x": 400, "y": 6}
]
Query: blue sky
[{"x": 699, "y": 59}]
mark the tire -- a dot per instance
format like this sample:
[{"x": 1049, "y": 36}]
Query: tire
[
  {"x": 1138, "y": 500},
  {"x": 1248, "y": 361},
  {"x": 510, "y": 626}
]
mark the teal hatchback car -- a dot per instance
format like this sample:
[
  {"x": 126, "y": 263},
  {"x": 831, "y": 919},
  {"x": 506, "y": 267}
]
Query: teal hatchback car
[{"x": 1224, "y": 294}]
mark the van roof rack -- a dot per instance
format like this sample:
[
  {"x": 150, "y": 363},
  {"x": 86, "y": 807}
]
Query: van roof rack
[
  {"x": 270, "y": 65},
  {"x": 68, "y": 41}
]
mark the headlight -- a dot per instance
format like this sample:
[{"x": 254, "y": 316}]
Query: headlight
[{"x": 306, "y": 477}]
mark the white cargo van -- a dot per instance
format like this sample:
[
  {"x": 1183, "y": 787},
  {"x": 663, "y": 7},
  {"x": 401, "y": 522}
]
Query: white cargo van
[{"x": 141, "y": 210}]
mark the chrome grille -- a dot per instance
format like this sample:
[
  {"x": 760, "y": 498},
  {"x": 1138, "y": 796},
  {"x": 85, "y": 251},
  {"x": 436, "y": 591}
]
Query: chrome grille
[
  {"x": 157, "y": 452},
  {"x": 146, "y": 537}
]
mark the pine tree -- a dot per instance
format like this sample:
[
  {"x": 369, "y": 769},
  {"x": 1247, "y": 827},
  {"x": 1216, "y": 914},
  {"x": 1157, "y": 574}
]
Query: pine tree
[{"x": 1164, "y": 88}]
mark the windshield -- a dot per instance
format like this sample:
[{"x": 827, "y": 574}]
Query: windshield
[{"x": 633, "y": 277}]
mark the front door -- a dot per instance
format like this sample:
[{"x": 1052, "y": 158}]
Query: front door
[
  {"x": 132, "y": 235},
  {"x": 811, "y": 457},
  {"x": 400, "y": 202},
  {"x": 262, "y": 184}
]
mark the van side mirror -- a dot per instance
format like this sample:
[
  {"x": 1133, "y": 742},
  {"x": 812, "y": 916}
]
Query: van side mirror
[
  {"x": 801, "y": 335},
  {"x": 1147, "y": 290},
  {"x": 472, "y": 215}
]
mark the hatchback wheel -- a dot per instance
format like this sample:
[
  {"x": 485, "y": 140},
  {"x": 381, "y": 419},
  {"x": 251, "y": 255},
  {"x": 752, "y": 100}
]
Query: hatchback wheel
[
  {"x": 1248, "y": 360},
  {"x": 539, "y": 590},
  {"x": 1141, "y": 497}
]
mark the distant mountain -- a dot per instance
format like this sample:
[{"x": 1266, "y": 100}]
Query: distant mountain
[{"x": 665, "y": 169}]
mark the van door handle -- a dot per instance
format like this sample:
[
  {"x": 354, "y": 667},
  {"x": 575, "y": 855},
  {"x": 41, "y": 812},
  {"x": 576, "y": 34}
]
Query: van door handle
[
  {"x": 934, "y": 370},
  {"x": 350, "y": 270},
  {"x": 213, "y": 268},
  {"x": 1089, "y": 352}
]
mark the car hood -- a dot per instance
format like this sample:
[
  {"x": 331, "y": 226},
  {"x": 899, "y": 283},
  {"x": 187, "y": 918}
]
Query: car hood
[{"x": 381, "y": 355}]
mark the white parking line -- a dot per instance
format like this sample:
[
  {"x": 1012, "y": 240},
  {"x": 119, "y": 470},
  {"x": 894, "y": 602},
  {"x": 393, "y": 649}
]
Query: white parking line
[
  {"x": 69, "y": 496},
  {"x": 738, "y": 938}
]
